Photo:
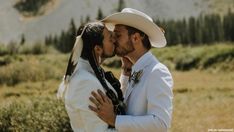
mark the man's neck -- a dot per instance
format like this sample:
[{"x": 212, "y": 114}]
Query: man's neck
[{"x": 136, "y": 55}]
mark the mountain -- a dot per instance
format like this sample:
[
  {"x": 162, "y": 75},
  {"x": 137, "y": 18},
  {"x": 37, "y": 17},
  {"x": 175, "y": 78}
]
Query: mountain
[{"x": 58, "y": 15}]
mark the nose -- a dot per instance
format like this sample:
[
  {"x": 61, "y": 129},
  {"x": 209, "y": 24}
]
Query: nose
[{"x": 114, "y": 39}]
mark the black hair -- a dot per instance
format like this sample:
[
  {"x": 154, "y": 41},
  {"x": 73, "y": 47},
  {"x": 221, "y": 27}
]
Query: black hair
[
  {"x": 145, "y": 41},
  {"x": 92, "y": 36}
]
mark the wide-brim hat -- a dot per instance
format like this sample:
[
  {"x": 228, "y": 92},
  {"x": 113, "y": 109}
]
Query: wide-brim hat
[{"x": 140, "y": 21}]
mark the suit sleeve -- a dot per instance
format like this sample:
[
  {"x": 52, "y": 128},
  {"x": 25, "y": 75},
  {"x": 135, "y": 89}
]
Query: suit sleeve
[
  {"x": 159, "y": 105},
  {"x": 77, "y": 101}
]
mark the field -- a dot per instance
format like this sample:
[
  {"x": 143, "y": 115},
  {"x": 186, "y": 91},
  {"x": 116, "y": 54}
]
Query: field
[{"x": 203, "y": 90}]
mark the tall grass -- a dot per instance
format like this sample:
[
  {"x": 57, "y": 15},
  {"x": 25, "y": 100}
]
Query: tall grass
[
  {"x": 23, "y": 68},
  {"x": 38, "y": 114},
  {"x": 28, "y": 103},
  {"x": 16, "y": 68},
  {"x": 14, "y": 48}
]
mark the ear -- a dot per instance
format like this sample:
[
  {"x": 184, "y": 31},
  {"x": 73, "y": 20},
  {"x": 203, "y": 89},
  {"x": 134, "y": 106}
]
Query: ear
[
  {"x": 98, "y": 49},
  {"x": 136, "y": 37}
]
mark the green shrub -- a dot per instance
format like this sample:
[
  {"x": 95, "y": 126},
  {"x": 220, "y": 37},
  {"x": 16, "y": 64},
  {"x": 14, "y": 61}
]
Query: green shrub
[
  {"x": 12, "y": 48},
  {"x": 26, "y": 71},
  {"x": 38, "y": 114},
  {"x": 34, "y": 49},
  {"x": 3, "y": 50},
  {"x": 186, "y": 62},
  {"x": 217, "y": 54},
  {"x": 201, "y": 57}
]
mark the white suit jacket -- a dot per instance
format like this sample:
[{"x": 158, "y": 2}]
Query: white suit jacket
[
  {"x": 77, "y": 95},
  {"x": 149, "y": 102}
]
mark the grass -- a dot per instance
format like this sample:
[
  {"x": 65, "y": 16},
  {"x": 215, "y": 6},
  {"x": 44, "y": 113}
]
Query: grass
[
  {"x": 23, "y": 68},
  {"x": 202, "y": 100},
  {"x": 203, "y": 97},
  {"x": 38, "y": 113}
]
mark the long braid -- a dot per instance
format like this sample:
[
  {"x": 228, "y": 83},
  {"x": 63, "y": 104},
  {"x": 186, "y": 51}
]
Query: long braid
[
  {"x": 118, "y": 104},
  {"x": 93, "y": 35}
]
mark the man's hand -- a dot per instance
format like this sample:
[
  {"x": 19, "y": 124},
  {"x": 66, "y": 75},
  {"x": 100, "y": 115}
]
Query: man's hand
[
  {"x": 104, "y": 109},
  {"x": 126, "y": 66}
]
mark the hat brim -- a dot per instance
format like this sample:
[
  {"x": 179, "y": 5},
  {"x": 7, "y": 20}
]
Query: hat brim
[{"x": 156, "y": 36}]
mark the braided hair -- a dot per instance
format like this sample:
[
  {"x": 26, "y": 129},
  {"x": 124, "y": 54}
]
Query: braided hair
[{"x": 92, "y": 36}]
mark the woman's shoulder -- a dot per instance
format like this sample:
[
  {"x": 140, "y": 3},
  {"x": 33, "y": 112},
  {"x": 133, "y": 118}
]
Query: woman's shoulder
[{"x": 82, "y": 74}]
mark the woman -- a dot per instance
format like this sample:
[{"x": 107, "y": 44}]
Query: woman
[{"x": 84, "y": 74}]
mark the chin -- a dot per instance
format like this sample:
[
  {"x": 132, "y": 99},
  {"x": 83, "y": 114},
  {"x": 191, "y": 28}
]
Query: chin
[{"x": 120, "y": 55}]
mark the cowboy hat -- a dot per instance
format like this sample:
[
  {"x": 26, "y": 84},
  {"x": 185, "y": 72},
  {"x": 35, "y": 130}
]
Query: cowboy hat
[{"x": 140, "y": 21}]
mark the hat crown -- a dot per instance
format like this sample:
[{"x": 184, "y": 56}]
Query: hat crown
[
  {"x": 133, "y": 11},
  {"x": 139, "y": 20}
]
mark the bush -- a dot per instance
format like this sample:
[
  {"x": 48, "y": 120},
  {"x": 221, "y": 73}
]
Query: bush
[
  {"x": 15, "y": 49},
  {"x": 12, "y": 48},
  {"x": 5, "y": 61},
  {"x": 217, "y": 54},
  {"x": 3, "y": 50},
  {"x": 26, "y": 71},
  {"x": 200, "y": 57},
  {"x": 186, "y": 62},
  {"x": 34, "y": 49},
  {"x": 38, "y": 114}
]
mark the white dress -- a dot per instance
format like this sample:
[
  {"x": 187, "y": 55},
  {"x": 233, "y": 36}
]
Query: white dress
[{"x": 82, "y": 83}]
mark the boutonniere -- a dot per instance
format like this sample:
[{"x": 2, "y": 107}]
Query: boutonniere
[{"x": 135, "y": 77}]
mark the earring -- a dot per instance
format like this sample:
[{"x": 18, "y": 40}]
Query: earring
[{"x": 99, "y": 60}]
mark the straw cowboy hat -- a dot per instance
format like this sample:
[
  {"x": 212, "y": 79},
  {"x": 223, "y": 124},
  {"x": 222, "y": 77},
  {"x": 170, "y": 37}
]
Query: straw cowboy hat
[{"x": 140, "y": 21}]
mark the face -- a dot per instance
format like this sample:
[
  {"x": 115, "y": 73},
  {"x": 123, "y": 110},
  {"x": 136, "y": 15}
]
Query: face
[
  {"x": 123, "y": 44},
  {"x": 108, "y": 44}
]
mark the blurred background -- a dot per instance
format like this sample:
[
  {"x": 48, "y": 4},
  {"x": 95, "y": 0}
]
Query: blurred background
[{"x": 36, "y": 37}]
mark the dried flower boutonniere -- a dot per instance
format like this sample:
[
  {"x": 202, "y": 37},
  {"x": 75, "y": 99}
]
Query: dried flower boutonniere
[{"x": 135, "y": 77}]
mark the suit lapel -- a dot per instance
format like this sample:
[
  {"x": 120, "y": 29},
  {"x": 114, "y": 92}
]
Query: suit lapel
[
  {"x": 129, "y": 90},
  {"x": 132, "y": 86},
  {"x": 146, "y": 62}
]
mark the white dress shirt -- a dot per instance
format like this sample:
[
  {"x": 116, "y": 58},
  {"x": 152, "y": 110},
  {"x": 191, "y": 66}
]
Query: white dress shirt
[
  {"x": 149, "y": 102},
  {"x": 77, "y": 95}
]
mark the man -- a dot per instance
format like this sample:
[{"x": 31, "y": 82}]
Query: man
[
  {"x": 84, "y": 74},
  {"x": 148, "y": 95}
]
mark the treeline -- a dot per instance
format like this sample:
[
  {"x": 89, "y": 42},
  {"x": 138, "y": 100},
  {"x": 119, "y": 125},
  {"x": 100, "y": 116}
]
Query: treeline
[
  {"x": 64, "y": 42},
  {"x": 203, "y": 29}
]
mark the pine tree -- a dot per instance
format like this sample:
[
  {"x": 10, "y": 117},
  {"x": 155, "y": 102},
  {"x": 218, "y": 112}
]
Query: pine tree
[
  {"x": 81, "y": 20},
  {"x": 228, "y": 26},
  {"x": 121, "y": 5},
  {"x": 100, "y": 14},
  {"x": 184, "y": 32},
  {"x": 87, "y": 19},
  {"x": 22, "y": 41},
  {"x": 71, "y": 34},
  {"x": 192, "y": 29}
]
